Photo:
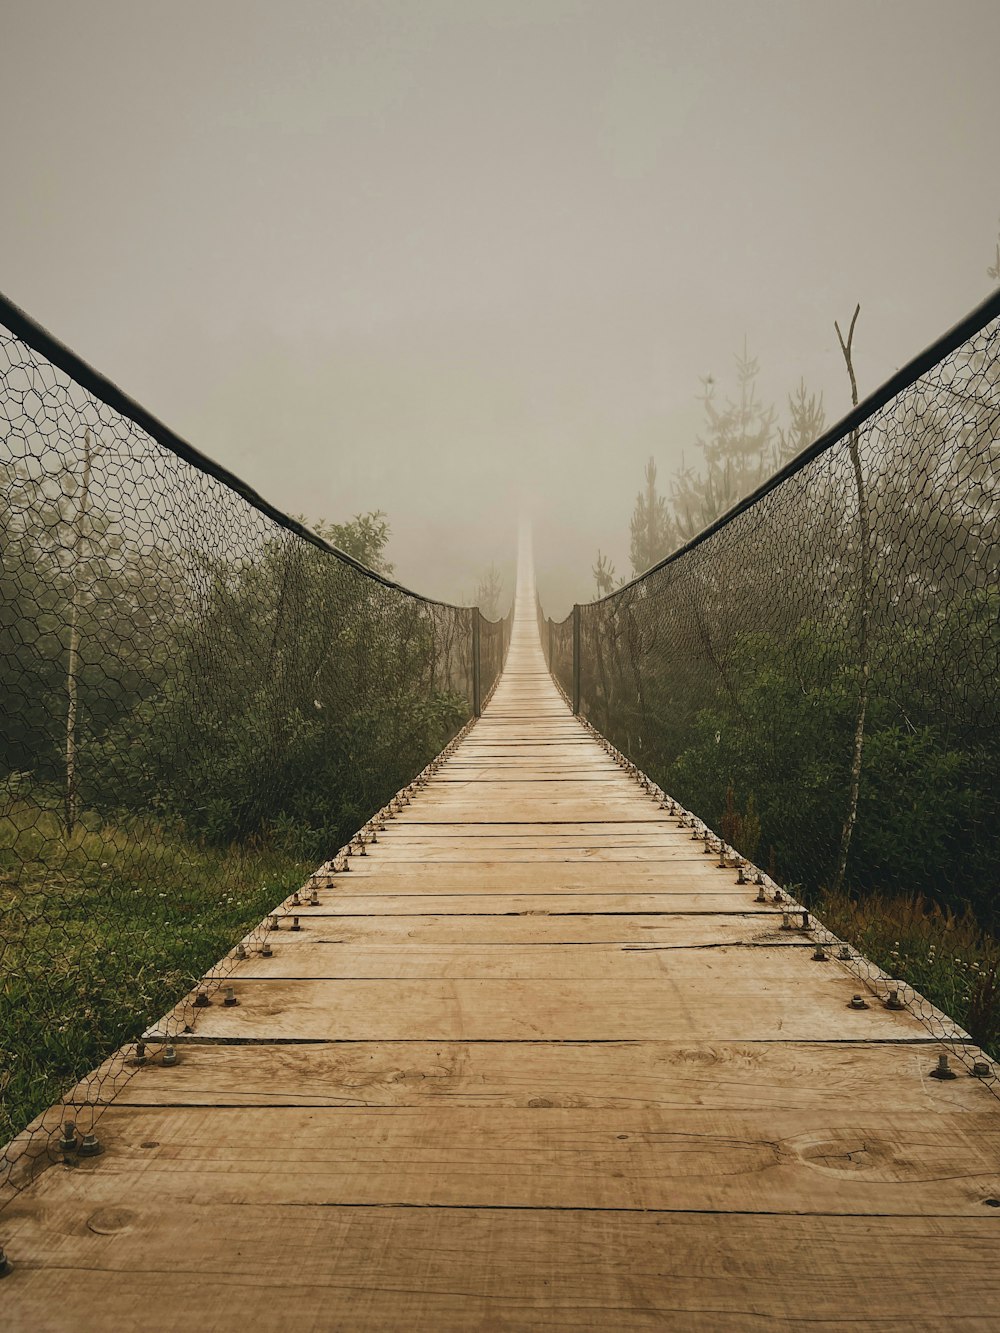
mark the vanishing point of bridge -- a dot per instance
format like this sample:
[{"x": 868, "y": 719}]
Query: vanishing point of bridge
[{"x": 537, "y": 1061}]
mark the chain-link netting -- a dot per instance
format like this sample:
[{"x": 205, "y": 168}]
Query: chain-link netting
[
  {"x": 200, "y": 702},
  {"x": 494, "y": 640},
  {"x": 817, "y": 677}
]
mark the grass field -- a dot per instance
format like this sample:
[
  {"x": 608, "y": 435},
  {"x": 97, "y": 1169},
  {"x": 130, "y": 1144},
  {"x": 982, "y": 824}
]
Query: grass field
[
  {"x": 948, "y": 957},
  {"x": 102, "y": 932}
]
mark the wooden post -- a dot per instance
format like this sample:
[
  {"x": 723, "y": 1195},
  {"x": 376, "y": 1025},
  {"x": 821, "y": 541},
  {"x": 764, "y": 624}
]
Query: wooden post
[
  {"x": 477, "y": 678},
  {"x": 576, "y": 658}
]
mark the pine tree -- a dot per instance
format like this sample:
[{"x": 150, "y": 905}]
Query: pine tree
[{"x": 652, "y": 527}]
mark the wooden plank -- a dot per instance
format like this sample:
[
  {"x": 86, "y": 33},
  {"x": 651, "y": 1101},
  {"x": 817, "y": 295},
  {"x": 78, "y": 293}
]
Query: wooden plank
[
  {"x": 438, "y": 900},
  {"x": 668, "y": 930},
  {"x": 492, "y": 1010},
  {"x": 302, "y": 957},
  {"x": 581, "y": 874},
  {"x": 175, "y": 1267},
  {"x": 835, "y": 1079},
  {"x": 676, "y": 1161}
]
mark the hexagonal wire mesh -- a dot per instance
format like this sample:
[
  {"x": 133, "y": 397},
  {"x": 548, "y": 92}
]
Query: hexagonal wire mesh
[
  {"x": 817, "y": 675},
  {"x": 201, "y": 701}
]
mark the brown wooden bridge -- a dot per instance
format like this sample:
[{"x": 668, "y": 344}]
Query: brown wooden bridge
[{"x": 537, "y": 1062}]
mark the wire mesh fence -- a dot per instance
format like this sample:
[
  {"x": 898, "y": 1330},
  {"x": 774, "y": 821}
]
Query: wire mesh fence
[
  {"x": 817, "y": 677},
  {"x": 202, "y": 700}
]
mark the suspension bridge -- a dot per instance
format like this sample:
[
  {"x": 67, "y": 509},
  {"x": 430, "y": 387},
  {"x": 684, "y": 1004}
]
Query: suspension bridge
[
  {"x": 537, "y": 1046},
  {"x": 536, "y": 1060}
]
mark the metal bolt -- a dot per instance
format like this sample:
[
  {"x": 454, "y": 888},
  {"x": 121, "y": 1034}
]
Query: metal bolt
[
  {"x": 740, "y": 875},
  {"x": 844, "y": 954},
  {"x": 296, "y": 900},
  {"x": 241, "y": 948},
  {"x": 295, "y": 923},
  {"x": 758, "y": 878},
  {"x": 761, "y": 895},
  {"x": 892, "y": 1000},
  {"x": 362, "y": 844},
  {"x": 778, "y": 896},
  {"x": 805, "y": 919},
  {"x": 722, "y": 856},
  {"x": 169, "y": 1055},
  {"x": 314, "y": 897},
  {"x": 90, "y": 1146},
  {"x": 230, "y": 999},
  {"x": 272, "y": 922},
  {"x": 67, "y": 1141},
  {"x": 980, "y": 1069},
  {"x": 201, "y": 1000},
  {"x": 820, "y": 955},
  {"x": 786, "y": 921},
  {"x": 942, "y": 1070},
  {"x": 265, "y": 950},
  {"x": 858, "y": 1002},
  {"x": 140, "y": 1053}
]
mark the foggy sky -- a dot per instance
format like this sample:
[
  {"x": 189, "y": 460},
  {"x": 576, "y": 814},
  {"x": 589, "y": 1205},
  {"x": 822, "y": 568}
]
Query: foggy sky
[{"x": 454, "y": 259}]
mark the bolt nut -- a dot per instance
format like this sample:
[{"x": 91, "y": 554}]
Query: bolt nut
[
  {"x": 91, "y": 1145},
  {"x": 844, "y": 954},
  {"x": 295, "y": 924},
  {"x": 241, "y": 951},
  {"x": 892, "y": 1000},
  {"x": 169, "y": 1054},
  {"x": 941, "y": 1070},
  {"x": 265, "y": 950},
  {"x": 820, "y": 955},
  {"x": 761, "y": 895},
  {"x": 980, "y": 1069},
  {"x": 201, "y": 1000},
  {"x": 314, "y": 898},
  {"x": 805, "y": 919},
  {"x": 858, "y": 1002},
  {"x": 230, "y": 999},
  {"x": 67, "y": 1138}
]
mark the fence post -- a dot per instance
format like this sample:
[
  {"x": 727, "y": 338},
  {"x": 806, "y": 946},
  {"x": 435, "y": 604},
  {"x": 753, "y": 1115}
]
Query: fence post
[
  {"x": 576, "y": 658},
  {"x": 477, "y": 670}
]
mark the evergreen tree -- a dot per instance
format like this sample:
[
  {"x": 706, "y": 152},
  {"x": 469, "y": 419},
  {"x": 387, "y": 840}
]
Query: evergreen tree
[
  {"x": 652, "y": 528},
  {"x": 738, "y": 452}
]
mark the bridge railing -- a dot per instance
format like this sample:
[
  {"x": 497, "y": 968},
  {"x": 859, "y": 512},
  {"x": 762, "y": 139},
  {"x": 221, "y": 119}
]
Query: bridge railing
[
  {"x": 201, "y": 700},
  {"x": 817, "y": 675}
]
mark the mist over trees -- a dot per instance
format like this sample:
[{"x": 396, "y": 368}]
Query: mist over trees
[{"x": 742, "y": 443}]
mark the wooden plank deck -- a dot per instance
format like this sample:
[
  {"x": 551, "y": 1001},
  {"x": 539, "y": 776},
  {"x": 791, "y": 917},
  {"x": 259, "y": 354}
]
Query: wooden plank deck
[{"x": 536, "y": 1062}]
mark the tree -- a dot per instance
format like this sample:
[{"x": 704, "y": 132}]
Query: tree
[
  {"x": 604, "y": 575},
  {"x": 807, "y": 418},
  {"x": 364, "y": 537},
  {"x": 488, "y": 593},
  {"x": 738, "y": 452},
  {"x": 651, "y": 527}
]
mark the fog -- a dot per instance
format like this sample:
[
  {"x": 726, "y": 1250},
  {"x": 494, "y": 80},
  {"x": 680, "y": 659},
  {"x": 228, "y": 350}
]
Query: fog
[{"x": 462, "y": 261}]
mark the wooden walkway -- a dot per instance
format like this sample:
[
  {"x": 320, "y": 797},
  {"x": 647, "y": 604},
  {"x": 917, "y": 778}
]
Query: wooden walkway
[{"x": 535, "y": 1063}]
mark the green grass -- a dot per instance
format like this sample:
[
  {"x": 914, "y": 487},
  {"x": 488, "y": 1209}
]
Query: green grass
[
  {"x": 948, "y": 957},
  {"x": 102, "y": 932}
]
